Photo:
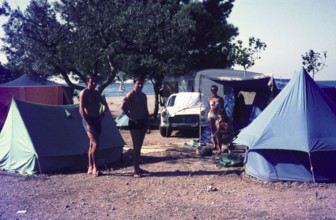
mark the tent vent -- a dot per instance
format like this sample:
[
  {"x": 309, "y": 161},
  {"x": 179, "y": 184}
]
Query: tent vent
[{"x": 67, "y": 113}]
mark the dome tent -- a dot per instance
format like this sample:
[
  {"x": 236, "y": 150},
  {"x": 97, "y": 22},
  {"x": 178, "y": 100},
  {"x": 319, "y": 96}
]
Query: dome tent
[{"x": 294, "y": 138}]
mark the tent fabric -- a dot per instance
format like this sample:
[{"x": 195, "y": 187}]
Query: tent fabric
[
  {"x": 237, "y": 90},
  {"x": 122, "y": 121},
  {"x": 243, "y": 85},
  {"x": 202, "y": 82},
  {"x": 40, "y": 138},
  {"x": 245, "y": 96},
  {"x": 36, "y": 91},
  {"x": 49, "y": 95},
  {"x": 26, "y": 81},
  {"x": 300, "y": 123},
  {"x": 206, "y": 135},
  {"x": 329, "y": 87},
  {"x": 229, "y": 103}
]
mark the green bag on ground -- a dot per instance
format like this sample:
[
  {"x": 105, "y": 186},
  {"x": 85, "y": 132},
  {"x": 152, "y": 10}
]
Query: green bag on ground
[{"x": 231, "y": 160}]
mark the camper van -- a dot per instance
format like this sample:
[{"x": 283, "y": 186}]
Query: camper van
[{"x": 246, "y": 93}]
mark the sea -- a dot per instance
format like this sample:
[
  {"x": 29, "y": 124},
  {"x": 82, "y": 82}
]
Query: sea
[{"x": 114, "y": 90}]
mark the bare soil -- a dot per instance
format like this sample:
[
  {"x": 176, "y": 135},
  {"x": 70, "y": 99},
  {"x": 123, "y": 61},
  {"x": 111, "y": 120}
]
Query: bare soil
[{"x": 181, "y": 185}]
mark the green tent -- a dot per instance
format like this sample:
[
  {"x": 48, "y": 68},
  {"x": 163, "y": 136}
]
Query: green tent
[{"x": 43, "y": 138}]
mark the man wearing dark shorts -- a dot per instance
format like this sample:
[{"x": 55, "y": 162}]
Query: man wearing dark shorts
[
  {"x": 90, "y": 102},
  {"x": 135, "y": 107}
]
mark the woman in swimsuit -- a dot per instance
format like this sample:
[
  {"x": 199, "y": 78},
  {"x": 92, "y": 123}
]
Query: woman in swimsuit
[{"x": 216, "y": 107}]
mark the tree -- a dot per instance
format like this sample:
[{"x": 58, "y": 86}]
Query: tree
[
  {"x": 245, "y": 56},
  {"x": 150, "y": 37},
  {"x": 103, "y": 37},
  {"x": 7, "y": 75},
  {"x": 36, "y": 42},
  {"x": 212, "y": 32},
  {"x": 313, "y": 61}
]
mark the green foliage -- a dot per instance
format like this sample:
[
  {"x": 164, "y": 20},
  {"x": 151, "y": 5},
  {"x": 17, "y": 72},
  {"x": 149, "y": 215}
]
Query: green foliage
[
  {"x": 211, "y": 33},
  {"x": 245, "y": 56},
  {"x": 36, "y": 42},
  {"x": 148, "y": 37},
  {"x": 313, "y": 61},
  {"x": 7, "y": 75}
]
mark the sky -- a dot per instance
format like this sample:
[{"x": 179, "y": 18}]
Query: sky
[{"x": 290, "y": 28}]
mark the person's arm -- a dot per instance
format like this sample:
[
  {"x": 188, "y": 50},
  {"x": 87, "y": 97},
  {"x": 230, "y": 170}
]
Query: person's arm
[
  {"x": 147, "y": 112},
  {"x": 124, "y": 105},
  {"x": 222, "y": 106},
  {"x": 82, "y": 104},
  {"x": 146, "y": 106}
]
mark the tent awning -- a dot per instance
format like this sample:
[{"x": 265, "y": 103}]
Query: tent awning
[{"x": 244, "y": 84}]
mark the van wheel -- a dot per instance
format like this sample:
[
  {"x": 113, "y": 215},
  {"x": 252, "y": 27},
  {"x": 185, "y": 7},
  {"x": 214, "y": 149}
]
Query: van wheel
[{"x": 165, "y": 132}]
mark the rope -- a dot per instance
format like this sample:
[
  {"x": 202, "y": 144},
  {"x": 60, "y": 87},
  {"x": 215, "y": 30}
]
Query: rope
[
  {"x": 199, "y": 116},
  {"x": 38, "y": 163}
]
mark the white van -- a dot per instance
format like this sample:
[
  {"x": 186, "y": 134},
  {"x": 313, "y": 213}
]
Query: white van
[{"x": 183, "y": 111}]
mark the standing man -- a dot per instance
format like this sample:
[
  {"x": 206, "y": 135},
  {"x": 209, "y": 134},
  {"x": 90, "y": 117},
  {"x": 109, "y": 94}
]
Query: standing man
[
  {"x": 90, "y": 102},
  {"x": 135, "y": 107}
]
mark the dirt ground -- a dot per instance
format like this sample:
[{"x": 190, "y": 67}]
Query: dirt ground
[{"x": 181, "y": 185}]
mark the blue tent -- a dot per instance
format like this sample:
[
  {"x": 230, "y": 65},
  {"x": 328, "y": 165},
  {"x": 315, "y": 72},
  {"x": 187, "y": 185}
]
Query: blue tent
[
  {"x": 329, "y": 87},
  {"x": 122, "y": 121},
  {"x": 294, "y": 138}
]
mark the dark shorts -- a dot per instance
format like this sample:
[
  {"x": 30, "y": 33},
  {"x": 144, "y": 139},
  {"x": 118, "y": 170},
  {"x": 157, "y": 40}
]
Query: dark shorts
[
  {"x": 95, "y": 125},
  {"x": 141, "y": 124}
]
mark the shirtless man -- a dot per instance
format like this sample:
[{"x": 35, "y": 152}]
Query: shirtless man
[
  {"x": 216, "y": 107},
  {"x": 135, "y": 107},
  {"x": 90, "y": 102}
]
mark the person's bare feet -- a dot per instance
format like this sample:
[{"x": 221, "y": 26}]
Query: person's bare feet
[
  {"x": 89, "y": 170},
  {"x": 138, "y": 172},
  {"x": 136, "y": 175},
  {"x": 97, "y": 173}
]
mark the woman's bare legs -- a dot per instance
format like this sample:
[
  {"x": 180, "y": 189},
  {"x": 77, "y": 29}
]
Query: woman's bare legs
[{"x": 213, "y": 130}]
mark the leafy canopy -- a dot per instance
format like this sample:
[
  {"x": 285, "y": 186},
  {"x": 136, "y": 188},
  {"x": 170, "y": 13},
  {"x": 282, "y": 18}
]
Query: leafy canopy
[{"x": 103, "y": 37}]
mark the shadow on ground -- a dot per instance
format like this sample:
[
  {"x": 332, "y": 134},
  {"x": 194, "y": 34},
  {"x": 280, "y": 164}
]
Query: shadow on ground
[{"x": 182, "y": 157}]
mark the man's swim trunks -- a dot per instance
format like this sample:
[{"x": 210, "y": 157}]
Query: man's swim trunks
[
  {"x": 95, "y": 125},
  {"x": 141, "y": 124}
]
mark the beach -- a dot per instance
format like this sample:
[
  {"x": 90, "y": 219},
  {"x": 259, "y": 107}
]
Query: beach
[{"x": 181, "y": 185}]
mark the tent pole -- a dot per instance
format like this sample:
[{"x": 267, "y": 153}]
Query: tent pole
[
  {"x": 38, "y": 162},
  {"x": 199, "y": 116},
  {"x": 311, "y": 168}
]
